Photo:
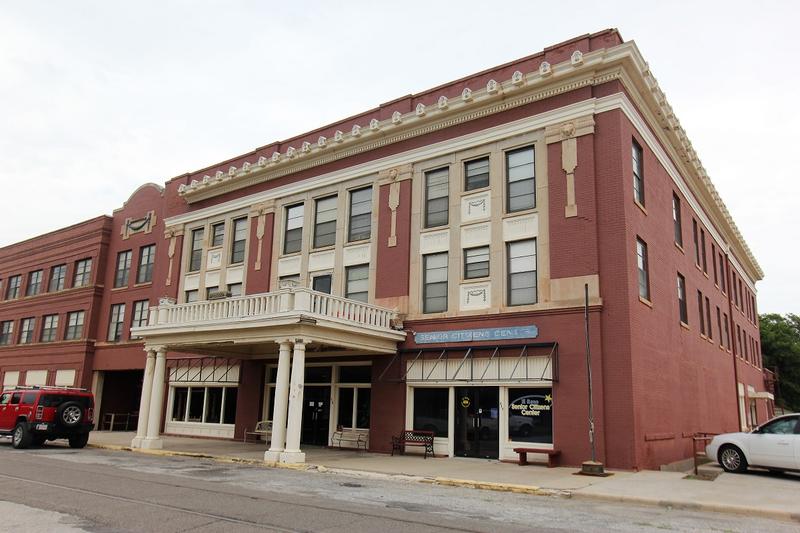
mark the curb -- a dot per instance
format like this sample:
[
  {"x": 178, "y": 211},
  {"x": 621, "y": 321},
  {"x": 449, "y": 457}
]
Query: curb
[{"x": 693, "y": 506}]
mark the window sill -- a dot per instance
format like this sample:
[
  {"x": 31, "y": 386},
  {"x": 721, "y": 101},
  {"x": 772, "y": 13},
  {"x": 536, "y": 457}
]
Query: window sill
[
  {"x": 706, "y": 275},
  {"x": 685, "y": 326},
  {"x": 476, "y": 280},
  {"x": 323, "y": 248},
  {"x": 291, "y": 254},
  {"x": 640, "y": 206},
  {"x": 511, "y": 214},
  {"x": 358, "y": 241},
  {"x": 646, "y": 302},
  {"x": 679, "y": 247},
  {"x": 143, "y": 284},
  {"x": 116, "y": 289},
  {"x": 476, "y": 190}
]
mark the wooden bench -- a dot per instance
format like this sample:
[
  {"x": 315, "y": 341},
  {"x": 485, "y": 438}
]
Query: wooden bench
[
  {"x": 262, "y": 429},
  {"x": 357, "y": 438},
  {"x": 551, "y": 455},
  {"x": 413, "y": 437}
]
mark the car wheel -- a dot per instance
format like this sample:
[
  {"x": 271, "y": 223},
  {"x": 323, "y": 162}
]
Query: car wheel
[
  {"x": 732, "y": 459},
  {"x": 70, "y": 414},
  {"x": 21, "y": 438},
  {"x": 79, "y": 440}
]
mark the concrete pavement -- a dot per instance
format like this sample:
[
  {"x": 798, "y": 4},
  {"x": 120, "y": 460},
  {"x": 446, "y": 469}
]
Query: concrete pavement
[{"x": 755, "y": 494}]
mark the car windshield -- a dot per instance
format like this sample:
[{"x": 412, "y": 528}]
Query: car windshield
[{"x": 54, "y": 400}]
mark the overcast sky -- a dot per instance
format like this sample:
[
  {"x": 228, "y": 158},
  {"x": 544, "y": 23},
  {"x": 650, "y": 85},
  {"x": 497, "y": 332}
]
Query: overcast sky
[{"x": 97, "y": 98}]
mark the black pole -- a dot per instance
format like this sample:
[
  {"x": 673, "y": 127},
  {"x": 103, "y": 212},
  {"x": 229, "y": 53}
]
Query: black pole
[{"x": 589, "y": 368}]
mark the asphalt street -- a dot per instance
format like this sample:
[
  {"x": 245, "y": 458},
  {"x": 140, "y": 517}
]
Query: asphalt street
[{"x": 57, "y": 489}]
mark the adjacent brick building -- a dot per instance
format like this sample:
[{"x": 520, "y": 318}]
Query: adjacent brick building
[{"x": 424, "y": 265}]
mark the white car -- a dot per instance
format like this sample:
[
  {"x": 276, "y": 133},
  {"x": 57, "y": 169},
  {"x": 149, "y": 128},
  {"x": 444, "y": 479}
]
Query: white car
[{"x": 774, "y": 445}]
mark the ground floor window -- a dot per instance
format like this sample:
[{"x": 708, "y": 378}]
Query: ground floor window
[
  {"x": 530, "y": 415},
  {"x": 431, "y": 410},
  {"x": 207, "y": 405},
  {"x": 354, "y": 406}
]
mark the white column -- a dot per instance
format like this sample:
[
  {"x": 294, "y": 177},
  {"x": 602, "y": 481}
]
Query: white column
[
  {"x": 292, "y": 454},
  {"x": 144, "y": 401},
  {"x": 281, "y": 391},
  {"x": 153, "y": 440}
]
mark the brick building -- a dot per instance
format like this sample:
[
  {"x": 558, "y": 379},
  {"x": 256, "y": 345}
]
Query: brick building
[{"x": 424, "y": 265}]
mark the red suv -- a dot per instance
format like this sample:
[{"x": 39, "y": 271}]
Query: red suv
[{"x": 33, "y": 415}]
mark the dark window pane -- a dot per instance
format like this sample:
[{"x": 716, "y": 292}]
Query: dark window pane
[
  {"x": 325, "y": 224},
  {"x": 530, "y": 415},
  {"x": 362, "y": 408},
  {"x": 179, "y": 399},
  {"x": 196, "y": 404},
  {"x": 293, "y": 240},
  {"x": 360, "y": 214},
  {"x": 322, "y": 284},
  {"x": 520, "y": 179},
  {"x": 346, "y": 407},
  {"x": 431, "y": 410},
  {"x": 231, "y": 396},
  {"x": 318, "y": 374},
  {"x": 355, "y": 374},
  {"x": 437, "y": 197},
  {"x": 476, "y": 174},
  {"x": 214, "y": 405}
]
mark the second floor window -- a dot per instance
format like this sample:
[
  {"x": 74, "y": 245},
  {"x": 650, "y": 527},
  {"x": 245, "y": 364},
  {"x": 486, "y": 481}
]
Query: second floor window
[
  {"x": 703, "y": 250},
  {"x": 434, "y": 283},
  {"x": 700, "y": 313},
  {"x": 58, "y": 275},
  {"x": 74, "y": 326},
  {"x": 643, "y": 268},
  {"x": 437, "y": 198},
  {"x": 191, "y": 296},
  {"x": 360, "y": 225},
  {"x": 476, "y": 174},
  {"x": 322, "y": 283},
  {"x": 683, "y": 312},
  {"x": 116, "y": 322},
  {"x": 196, "y": 250},
  {"x": 521, "y": 180},
  {"x": 325, "y": 222},
  {"x": 293, "y": 236},
  {"x": 695, "y": 235},
  {"x": 14, "y": 283},
  {"x": 139, "y": 318},
  {"x": 49, "y": 328},
  {"x": 357, "y": 287},
  {"x": 83, "y": 273},
  {"x": 676, "y": 219},
  {"x": 6, "y": 332},
  {"x": 123, "y": 269},
  {"x": 235, "y": 289},
  {"x": 714, "y": 262},
  {"x": 708, "y": 319},
  {"x": 722, "y": 272},
  {"x": 26, "y": 327},
  {"x": 476, "y": 262},
  {"x": 522, "y": 289},
  {"x": 638, "y": 172},
  {"x": 147, "y": 258},
  {"x": 239, "y": 240},
  {"x": 34, "y": 283}
]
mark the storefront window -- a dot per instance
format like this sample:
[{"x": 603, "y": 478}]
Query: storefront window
[
  {"x": 346, "y": 407},
  {"x": 350, "y": 397},
  {"x": 431, "y": 410},
  {"x": 318, "y": 374},
  {"x": 355, "y": 374},
  {"x": 231, "y": 395},
  {"x": 213, "y": 404},
  {"x": 179, "y": 398},
  {"x": 530, "y": 415},
  {"x": 362, "y": 407},
  {"x": 196, "y": 396}
]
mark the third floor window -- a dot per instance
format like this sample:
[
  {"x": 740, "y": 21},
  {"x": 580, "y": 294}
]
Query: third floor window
[
  {"x": 83, "y": 273},
  {"x": 437, "y": 197},
  {"x": 476, "y": 174},
  {"x": 643, "y": 268},
  {"x": 123, "y": 269},
  {"x": 58, "y": 275},
  {"x": 14, "y": 283},
  {"x": 521, "y": 180},
  {"x": 325, "y": 222},
  {"x": 239, "y": 240},
  {"x": 196, "y": 250},
  {"x": 676, "y": 219},
  {"x": 360, "y": 225},
  {"x": 147, "y": 258},
  {"x": 34, "y": 283},
  {"x": 293, "y": 236},
  {"x": 638, "y": 172},
  {"x": 49, "y": 328},
  {"x": 74, "y": 325}
]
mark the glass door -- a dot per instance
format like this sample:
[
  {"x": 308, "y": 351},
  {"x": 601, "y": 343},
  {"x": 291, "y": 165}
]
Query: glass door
[
  {"x": 477, "y": 431},
  {"x": 316, "y": 415}
]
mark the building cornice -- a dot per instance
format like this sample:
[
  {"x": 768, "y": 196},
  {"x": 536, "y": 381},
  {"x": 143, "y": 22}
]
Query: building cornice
[{"x": 623, "y": 62}]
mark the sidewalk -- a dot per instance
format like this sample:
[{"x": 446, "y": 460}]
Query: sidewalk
[{"x": 754, "y": 494}]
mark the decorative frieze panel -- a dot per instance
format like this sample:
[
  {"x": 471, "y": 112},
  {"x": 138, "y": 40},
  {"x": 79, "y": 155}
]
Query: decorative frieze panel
[
  {"x": 213, "y": 259},
  {"x": 524, "y": 227},
  {"x": 191, "y": 283},
  {"x": 212, "y": 279},
  {"x": 321, "y": 261},
  {"x": 144, "y": 224},
  {"x": 475, "y": 296},
  {"x": 234, "y": 275},
  {"x": 288, "y": 266},
  {"x": 434, "y": 241},
  {"x": 356, "y": 255},
  {"x": 476, "y": 206},
  {"x": 476, "y": 235}
]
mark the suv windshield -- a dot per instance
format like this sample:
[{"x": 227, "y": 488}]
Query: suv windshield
[{"x": 54, "y": 400}]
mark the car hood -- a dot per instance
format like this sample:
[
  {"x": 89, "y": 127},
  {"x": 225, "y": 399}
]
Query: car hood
[{"x": 725, "y": 436}]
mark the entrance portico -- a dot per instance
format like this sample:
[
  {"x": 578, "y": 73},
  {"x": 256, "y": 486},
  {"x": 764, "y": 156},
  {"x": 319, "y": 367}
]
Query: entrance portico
[{"x": 289, "y": 322}]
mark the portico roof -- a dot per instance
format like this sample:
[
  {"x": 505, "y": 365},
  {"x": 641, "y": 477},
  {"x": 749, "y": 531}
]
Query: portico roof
[{"x": 250, "y": 326}]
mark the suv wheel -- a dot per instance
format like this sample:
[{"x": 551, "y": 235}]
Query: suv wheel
[
  {"x": 21, "y": 438},
  {"x": 70, "y": 414},
  {"x": 79, "y": 440}
]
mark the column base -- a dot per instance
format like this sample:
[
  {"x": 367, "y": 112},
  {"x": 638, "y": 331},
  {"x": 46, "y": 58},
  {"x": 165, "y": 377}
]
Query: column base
[
  {"x": 152, "y": 443},
  {"x": 273, "y": 456},
  {"x": 137, "y": 442},
  {"x": 293, "y": 457}
]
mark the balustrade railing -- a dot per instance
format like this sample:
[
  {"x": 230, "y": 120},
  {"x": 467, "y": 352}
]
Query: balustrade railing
[{"x": 285, "y": 301}]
